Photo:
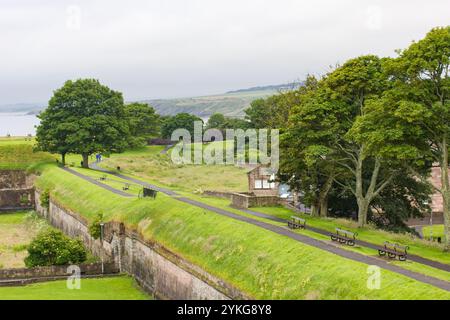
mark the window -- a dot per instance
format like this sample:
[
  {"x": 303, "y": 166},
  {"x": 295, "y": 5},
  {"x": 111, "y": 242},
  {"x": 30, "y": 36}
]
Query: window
[
  {"x": 265, "y": 184},
  {"x": 258, "y": 184}
]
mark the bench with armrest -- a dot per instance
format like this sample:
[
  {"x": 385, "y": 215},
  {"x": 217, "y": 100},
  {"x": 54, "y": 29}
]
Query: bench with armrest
[
  {"x": 394, "y": 250},
  {"x": 344, "y": 236},
  {"x": 297, "y": 223}
]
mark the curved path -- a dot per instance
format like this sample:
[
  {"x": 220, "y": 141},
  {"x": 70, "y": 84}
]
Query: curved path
[{"x": 369, "y": 260}]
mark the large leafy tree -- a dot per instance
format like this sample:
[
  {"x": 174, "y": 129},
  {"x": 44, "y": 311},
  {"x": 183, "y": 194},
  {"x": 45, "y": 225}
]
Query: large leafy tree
[
  {"x": 352, "y": 87},
  {"x": 221, "y": 122},
  {"x": 324, "y": 124},
  {"x": 305, "y": 154},
  {"x": 143, "y": 122},
  {"x": 179, "y": 121},
  {"x": 272, "y": 112},
  {"x": 83, "y": 117},
  {"x": 258, "y": 114},
  {"x": 216, "y": 121},
  {"x": 419, "y": 104}
]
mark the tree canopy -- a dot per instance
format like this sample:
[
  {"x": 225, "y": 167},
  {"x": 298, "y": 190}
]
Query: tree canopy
[
  {"x": 179, "y": 121},
  {"x": 83, "y": 117},
  {"x": 143, "y": 121},
  {"x": 369, "y": 130}
]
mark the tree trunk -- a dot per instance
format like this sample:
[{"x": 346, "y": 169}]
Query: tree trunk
[
  {"x": 445, "y": 189},
  {"x": 363, "y": 208},
  {"x": 323, "y": 196},
  {"x": 63, "y": 159},
  {"x": 314, "y": 210},
  {"x": 365, "y": 197},
  {"x": 324, "y": 207},
  {"x": 85, "y": 160}
]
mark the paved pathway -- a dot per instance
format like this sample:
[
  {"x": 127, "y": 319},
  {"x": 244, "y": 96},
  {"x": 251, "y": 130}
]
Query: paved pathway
[
  {"x": 285, "y": 232},
  {"x": 169, "y": 192},
  {"x": 97, "y": 183},
  {"x": 412, "y": 257}
]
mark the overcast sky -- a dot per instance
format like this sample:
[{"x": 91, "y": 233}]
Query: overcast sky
[{"x": 177, "y": 48}]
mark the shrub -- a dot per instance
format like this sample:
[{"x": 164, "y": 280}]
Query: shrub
[
  {"x": 95, "y": 228},
  {"x": 52, "y": 247},
  {"x": 45, "y": 199}
]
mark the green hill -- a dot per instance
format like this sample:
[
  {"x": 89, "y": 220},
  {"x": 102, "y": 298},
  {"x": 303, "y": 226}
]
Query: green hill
[
  {"x": 229, "y": 104},
  {"x": 232, "y": 103}
]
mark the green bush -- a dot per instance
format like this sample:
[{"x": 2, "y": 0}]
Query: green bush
[
  {"x": 45, "y": 199},
  {"x": 52, "y": 247},
  {"x": 95, "y": 228}
]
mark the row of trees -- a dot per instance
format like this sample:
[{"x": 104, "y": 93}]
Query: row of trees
[{"x": 368, "y": 133}]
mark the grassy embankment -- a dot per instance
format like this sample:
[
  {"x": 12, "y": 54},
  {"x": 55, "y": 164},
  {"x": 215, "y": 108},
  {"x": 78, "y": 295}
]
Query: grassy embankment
[
  {"x": 263, "y": 264},
  {"x": 17, "y": 153},
  {"x": 115, "y": 288},
  {"x": 149, "y": 165},
  {"x": 259, "y": 262}
]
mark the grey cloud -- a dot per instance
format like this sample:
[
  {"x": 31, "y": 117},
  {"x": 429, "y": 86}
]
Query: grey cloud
[{"x": 154, "y": 49}]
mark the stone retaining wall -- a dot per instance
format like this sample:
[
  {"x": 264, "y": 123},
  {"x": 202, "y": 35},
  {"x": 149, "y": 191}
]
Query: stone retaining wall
[
  {"x": 15, "y": 179},
  {"x": 16, "y": 190},
  {"x": 159, "y": 271},
  {"x": 245, "y": 200},
  {"x": 219, "y": 194}
]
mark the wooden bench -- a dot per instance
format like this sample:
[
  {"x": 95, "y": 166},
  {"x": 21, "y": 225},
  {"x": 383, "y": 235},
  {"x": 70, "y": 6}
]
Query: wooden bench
[
  {"x": 297, "y": 223},
  {"x": 344, "y": 236},
  {"x": 394, "y": 250},
  {"x": 126, "y": 187}
]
